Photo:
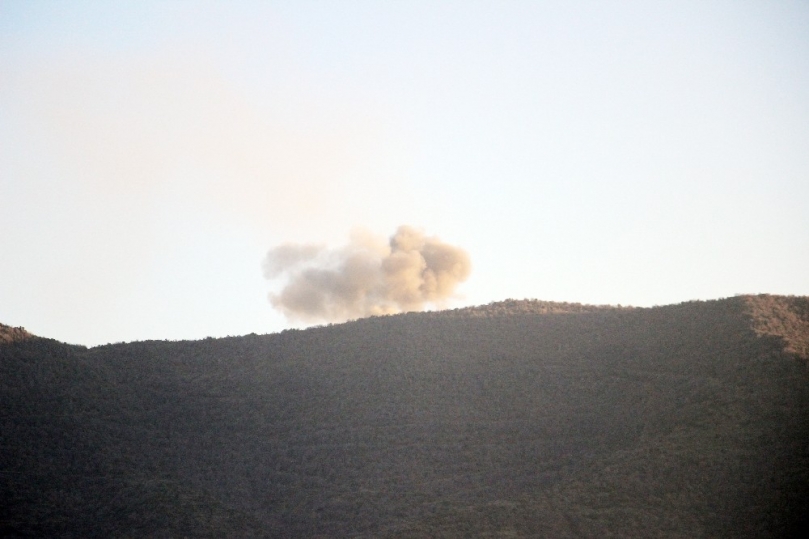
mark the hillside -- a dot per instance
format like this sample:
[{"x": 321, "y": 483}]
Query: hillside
[
  {"x": 521, "y": 419},
  {"x": 10, "y": 334}
]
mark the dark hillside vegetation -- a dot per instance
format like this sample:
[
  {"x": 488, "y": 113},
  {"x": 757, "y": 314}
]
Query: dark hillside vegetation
[{"x": 514, "y": 419}]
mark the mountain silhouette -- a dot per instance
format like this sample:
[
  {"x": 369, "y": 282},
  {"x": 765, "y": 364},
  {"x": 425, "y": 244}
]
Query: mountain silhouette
[{"x": 516, "y": 419}]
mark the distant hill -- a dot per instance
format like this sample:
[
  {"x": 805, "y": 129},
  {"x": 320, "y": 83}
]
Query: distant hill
[
  {"x": 524, "y": 306},
  {"x": 515, "y": 419}
]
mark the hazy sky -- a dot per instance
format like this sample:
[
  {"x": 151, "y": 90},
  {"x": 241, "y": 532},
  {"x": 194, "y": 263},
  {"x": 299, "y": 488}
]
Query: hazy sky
[{"x": 152, "y": 153}]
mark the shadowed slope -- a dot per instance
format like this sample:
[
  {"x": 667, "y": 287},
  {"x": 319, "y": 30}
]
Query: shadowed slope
[{"x": 519, "y": 418}]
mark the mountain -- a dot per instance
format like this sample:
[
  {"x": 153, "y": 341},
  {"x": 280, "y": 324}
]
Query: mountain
[{"x": 515, "y": 419}]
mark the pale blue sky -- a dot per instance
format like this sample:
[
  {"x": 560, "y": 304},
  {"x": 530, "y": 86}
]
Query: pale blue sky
[{"x": 151, "y": 153}]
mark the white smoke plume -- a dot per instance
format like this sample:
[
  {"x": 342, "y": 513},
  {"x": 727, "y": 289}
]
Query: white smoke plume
[{"x": 366, "y": 277}]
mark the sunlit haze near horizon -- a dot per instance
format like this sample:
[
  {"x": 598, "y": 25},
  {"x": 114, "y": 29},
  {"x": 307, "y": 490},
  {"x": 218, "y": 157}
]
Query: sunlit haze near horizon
[{"x": 152, "y": 154}]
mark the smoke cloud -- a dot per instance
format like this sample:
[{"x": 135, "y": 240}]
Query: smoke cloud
[{"x": 366, "y": 277}]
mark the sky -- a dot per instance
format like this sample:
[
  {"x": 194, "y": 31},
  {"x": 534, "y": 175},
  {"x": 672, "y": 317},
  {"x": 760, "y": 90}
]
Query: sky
[{"x": 152, "y": 154}]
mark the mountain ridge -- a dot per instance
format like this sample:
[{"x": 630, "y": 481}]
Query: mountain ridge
[
  {"x": 686, "y": 420},
  {"x": 9, "y": 334}
]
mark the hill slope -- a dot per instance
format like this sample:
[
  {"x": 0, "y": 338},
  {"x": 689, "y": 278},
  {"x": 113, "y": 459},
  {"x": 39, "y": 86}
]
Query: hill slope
[{"x": 515, "y": 419}]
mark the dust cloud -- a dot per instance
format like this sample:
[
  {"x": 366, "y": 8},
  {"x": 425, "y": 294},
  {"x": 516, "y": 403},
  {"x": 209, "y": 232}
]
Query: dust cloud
[{"x": 366, "y": 277}]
